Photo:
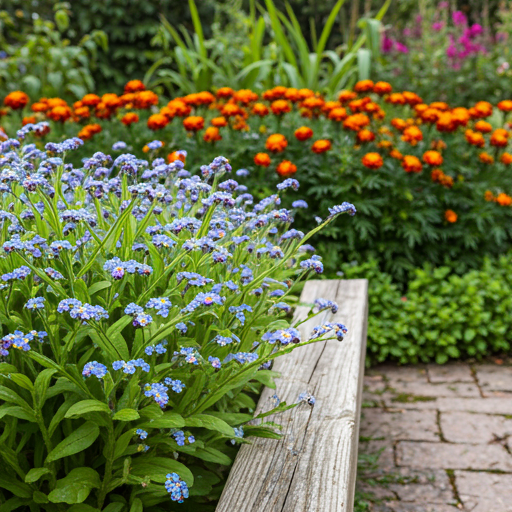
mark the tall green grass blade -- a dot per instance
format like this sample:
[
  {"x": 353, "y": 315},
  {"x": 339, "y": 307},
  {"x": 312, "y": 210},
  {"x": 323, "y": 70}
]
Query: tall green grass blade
[
  {"x": 312, "y": 30},
  {"x": 364, "y": 59},
  {"x": 196, "y": 21}
]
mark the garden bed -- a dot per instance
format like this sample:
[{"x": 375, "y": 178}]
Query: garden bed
[{"x": 313, "y": 466}]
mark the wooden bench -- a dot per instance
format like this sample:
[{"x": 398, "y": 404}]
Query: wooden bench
[{"x": 313, "y": 467}]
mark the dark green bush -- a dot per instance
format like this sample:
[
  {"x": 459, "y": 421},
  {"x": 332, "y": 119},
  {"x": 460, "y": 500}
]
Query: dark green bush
[{"x": 442, "y": 315}]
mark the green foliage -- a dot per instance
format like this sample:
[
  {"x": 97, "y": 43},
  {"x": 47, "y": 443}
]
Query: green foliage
[
  {"x": 43, "y": 63},
  {"x": 441, "y": 316},
  {"x": 192, "y": 63}
]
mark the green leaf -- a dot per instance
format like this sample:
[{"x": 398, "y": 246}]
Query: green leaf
[
  {"x": 86, "y": 406},
  {"x": 41, "y": 385},
  {"x": 96, "y": 287},
  {"x": 8, "y": 395},
  {"x": 157, "y": 467},
  {"x": 75, "y": 487},
  {"x": 17, "y": 412},
  {"x": 210, "y": 423},
  {"x": 22, "y": 380},
  {"x": 39, "y": 497},
  {"x": 35, "y": 474},
  {"x": 76, "y": 442},
  {"x": 12, "y": 484},
  {"x": 82, "y": 507},
  {"x": 212, "y": 455},
  {"x": 167, "y": 420},
  {"x": 137, "y": 506},
  {"x": 126, "y": 415}
]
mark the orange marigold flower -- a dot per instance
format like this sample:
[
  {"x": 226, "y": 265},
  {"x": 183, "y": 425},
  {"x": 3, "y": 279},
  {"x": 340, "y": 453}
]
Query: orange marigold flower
[
  {"x": 245, "y": 96},
  {"x": 356, "y": 122},
  {"x": 276, "y": 93},
  {"x": 394, "y": 153},
  {"x": 178, "y": 107},
  {"x": 474, "y": 138},
  {"x": 372, "y": 161},
  {"x": 358, "y": 105},
  {"x": 286, "y": 168},
  {"x": 440, "y": 105},
  {"x": 461, "y": 116},
  {"x": 303, "y": 133},
  {"x": 321, "y": 146},
  {"x": 306, "y": 112},
  {"x": 56, "y": 102},
  {"x": 60, "y": 113},
  {"x": 505, "y": 105},
  {"x": 486, "y": 158},
  {"x": 313, "y": 103},
  {"x": 482, "y": 109},
  {"x": 305, "y": 93},
  {"x": 28, "y": 120},
  {"x": 446, "y": 122},
  {"x": 39, "y": 107},
  {"x": 399, "y": 124},
  {"x": 262, "y": 159},
  {"x": 259, "y": 109},
  {"x": 363, "y": 86},
  {"x": 337, "y": 114},
  {"x": 346, "y": 96},
  {"x": 219, "y": 122},
  {"x": 483, "y": 126},
  {"x": 450, "y": 216},
  {"x": 489, "y": 196},
  {"x": 396, "y": 98},
  {"x": 430, "y": 115},
  {"x": 144, "y": 99},
  {"x": 212, "y": 134},
  {"x": 134, "y": 86},
  {"x": 225, "y": 92},
  {"x": 176, "y": 155},
  {"x": 276, "y": 143},
  {"x": 16, "y": 100},
  {"x": 329, "y": 105},
  {"x": 280, "y": 107},
  {"x": 438, "y": 145},
  {"x": 230, "y": 109},
  {"x": 503, "y": 199},
  {"x": 382, "y": 88},
  {"x": 412, "y": 98},
  {"x": 499, "y": 138},
  {"x": 82, "y": 112},
  {"x": 89, "y": 130},
  {"x": 191, "y": 99},
  {"x": 157, "y": 122},
  {"x": 371, "y": 107},
  {"x": 205, "y": 98},
  {"x": 112, "y": 101},
  {"x": 412, "y": 135},
  {"x": 432, "y": 157},
  {"x": 419, "y": 109},
  {"x": 436, "y": 175},
  {"x": 446, "y": 181},
  {"x": 411, "y": 163},
  {"x": 292, "y": 94},
  {"x": 365, "y": 136},
  {"x": 506, "y": 158},
  {"x": 386, "y": 144},
  {"x": 130, "y": 118},
  {"x": 193, "y": 123}
]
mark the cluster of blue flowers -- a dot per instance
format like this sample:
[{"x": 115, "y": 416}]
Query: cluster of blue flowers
[{"x": 211, "y": 268}]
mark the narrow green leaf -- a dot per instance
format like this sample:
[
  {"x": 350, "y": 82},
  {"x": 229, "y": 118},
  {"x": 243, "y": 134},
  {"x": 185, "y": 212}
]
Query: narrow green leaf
[
  {"x": 126, "y": 415},
  {"x": 77, "y": 441},
  {"x": 35, "y": 474},
  {"x": 86, "y": 406}
]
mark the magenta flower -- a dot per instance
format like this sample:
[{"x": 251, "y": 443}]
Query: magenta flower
[
  {"x": 437, "y": 26},
  {"x": 459, "y": 18},
  {"x": 400, "y": 47}
]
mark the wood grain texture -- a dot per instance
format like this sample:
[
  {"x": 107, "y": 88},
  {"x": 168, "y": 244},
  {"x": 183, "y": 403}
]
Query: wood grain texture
[{"x": 313, "y": 467}]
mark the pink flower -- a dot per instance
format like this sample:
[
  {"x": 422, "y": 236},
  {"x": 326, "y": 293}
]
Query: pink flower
[
  {"x": 476, "y": 30},
  {"x": 459, "y": 18},
  {"x": 387, "y": 44},
  {"x": 437, "y": 26},
  {"x": 443, "y": 5},
  {"x": 402, "y": 48}
]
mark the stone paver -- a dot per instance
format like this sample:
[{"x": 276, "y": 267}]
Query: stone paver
[
  {"x": 458, "y": 372},
  {"x": 444, "y": 434},
  {"x": 466, "y": 427},
  {"x": 492, "y": 381},
  {"x": 484, "y": 492},
  {"x": 406, "y": 425}
]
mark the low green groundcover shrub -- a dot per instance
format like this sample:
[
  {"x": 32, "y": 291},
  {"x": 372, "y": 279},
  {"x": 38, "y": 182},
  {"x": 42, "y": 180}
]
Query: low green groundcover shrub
[
  {"x": 141, "y": 309},
  {"x": 441, "y": 316}
]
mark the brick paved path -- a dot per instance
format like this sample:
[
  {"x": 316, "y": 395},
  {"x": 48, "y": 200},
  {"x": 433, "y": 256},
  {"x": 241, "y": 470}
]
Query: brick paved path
[{"x": 445, "y": 438}]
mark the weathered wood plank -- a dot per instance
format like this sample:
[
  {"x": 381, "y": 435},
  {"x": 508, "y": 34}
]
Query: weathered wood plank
[{"x": 313, "y": 467}]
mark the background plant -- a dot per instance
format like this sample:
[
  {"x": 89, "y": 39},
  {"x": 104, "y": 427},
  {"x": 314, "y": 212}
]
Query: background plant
[{"x": 441, "y": 315}]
